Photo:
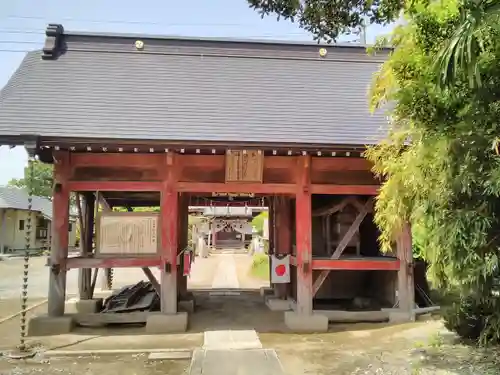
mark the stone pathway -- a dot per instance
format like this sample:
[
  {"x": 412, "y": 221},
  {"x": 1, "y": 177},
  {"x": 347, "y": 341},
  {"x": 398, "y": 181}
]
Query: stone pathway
[
  {"x": 225, "y": 275},
  {"x": 232, "y": 352},
  {"x": 231, "y": 340},
  {"x": 235, "y": 362}
]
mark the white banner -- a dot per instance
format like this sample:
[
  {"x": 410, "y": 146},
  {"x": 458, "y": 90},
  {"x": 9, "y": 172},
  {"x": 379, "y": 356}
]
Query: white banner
[{"x": 280, "y": 269}]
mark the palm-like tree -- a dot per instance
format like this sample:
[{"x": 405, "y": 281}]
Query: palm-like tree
[{"x": 461, "y": 52}]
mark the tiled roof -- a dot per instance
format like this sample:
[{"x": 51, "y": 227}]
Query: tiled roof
[
  {"x": 16, "y": 198},
  {"x": 102, "y": 87}
]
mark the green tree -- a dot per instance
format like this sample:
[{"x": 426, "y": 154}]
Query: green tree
[
  {"x": 327, "y": 19},
  {"x": 42, "y": 180},
  {"x": 459, "y": 54},
  {"x": 258, "y": 221},
  {"x": 446, "y": 181}
]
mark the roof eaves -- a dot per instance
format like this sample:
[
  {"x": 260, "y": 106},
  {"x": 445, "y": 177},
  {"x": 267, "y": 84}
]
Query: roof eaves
[{"x": 215, "y": 39}]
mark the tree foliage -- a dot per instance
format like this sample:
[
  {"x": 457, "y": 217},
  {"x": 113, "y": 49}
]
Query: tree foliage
[
  {"x": 42, "y": 180},
  {"x": 440, "y": 170},
  {"x": 459, "y": 53},
  {"x": 327, "y": 19}
]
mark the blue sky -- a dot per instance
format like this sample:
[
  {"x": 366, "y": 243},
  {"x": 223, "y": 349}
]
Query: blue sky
[{"x": 22, "y": 25}]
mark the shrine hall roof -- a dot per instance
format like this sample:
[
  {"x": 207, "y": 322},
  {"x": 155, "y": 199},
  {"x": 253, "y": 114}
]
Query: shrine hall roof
[{"x": 110, "y": 87}]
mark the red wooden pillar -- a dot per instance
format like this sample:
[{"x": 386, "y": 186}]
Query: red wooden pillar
[
  {"x": 183, "y": 228},
  {"x": 271, "y": 235},
  {"x": 283, "y": 238},
  {"x": 406, "y": 286},
  {"x": 169, "y": 221},
  {"x": 303, "y": 229},
  {"x": 60, "y": 234}
]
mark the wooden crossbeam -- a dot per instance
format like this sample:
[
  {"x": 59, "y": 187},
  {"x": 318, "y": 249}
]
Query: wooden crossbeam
[
  {"x": 343, "y": 244},
  {"x": 351, "y": 200}
]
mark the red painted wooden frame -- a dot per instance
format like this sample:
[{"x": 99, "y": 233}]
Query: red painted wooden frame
[
  {"x": 236, "y": 187},
  {"x": 344, "y": 189},
  {"x": 388, "y": 264},
  {"x": 115, "y": 185},
  {"x": 79, "y": 262}
]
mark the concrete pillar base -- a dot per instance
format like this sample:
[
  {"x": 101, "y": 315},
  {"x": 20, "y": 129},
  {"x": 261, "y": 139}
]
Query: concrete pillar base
[
  {"x": 167, "y": 323},
  {"x": 401, "y": 317},
  {"x": 47, "y": 325},
  {"x": 266, "y": 291},
  {"x": 187, "y": 305},
  {"x": 277, "y": 304},
  {"x": 89, "y": 306},
  {"x": 302, "y": 323},
  {"x": 83, "y": 306}
]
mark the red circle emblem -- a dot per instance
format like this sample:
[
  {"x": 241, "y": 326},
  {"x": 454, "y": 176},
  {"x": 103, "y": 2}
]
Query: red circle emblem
[{"x": 280, "y": 270}]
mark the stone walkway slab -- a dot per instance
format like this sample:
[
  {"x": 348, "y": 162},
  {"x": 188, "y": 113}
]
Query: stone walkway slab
[
  {"x": 231, "y": 340},
  {"x": 235, "y": 362},
  {"x": 225, "y": 275}
]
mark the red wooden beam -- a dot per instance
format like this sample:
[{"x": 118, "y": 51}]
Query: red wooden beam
[
  {"x": 114, "y": 186},
  {"x": 389, "y": 264},
  {"x": 236, "y": 187},
  {"x": 280, "y": 162},
  {"x": 340, "y": 164},
  {"x": 345, "y": 189},
  {"x": 219, "y": 161},
  {"x": 203, "y": 161},
  {"x": 116, "y": 160},
  {"x": 356, "y": 265},
  {"x": 78, "y": 262}
]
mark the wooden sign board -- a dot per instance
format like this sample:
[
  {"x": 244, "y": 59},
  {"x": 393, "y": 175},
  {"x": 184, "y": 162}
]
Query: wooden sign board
[
  {"x": 244, "y": 166},
  {"x": 126, "y": 234}
]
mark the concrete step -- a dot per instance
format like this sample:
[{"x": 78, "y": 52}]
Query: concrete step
[{"x": 231, "y": 362}]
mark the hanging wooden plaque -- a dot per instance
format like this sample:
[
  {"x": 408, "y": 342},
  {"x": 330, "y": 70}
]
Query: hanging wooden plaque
[
  {"x": 244, "y": 166},
  {"x": 125, "y": 234}
]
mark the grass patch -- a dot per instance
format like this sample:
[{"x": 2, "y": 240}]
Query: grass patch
[{"x": 260, "y": 266}]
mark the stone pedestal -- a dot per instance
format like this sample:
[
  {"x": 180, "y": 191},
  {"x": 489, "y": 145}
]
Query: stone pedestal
[
  {"x": 187, "y": 304},
  {"x": 47, "y": 326},
  {"x": 167, "y": 323},
  {"x": 302, "y": 323},
  {"x": 89, "y": 306},
  {"x": 277, "y": 304},
  {"x": 397, "y": 316},
  {"x": 266, "y": 291}
]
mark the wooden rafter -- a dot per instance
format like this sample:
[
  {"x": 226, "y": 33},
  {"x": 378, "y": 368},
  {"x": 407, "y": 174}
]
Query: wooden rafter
[{"x": 343, "y": 244}]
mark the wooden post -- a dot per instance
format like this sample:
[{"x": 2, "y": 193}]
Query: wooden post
[
  {"x": 328, "y": 236},
  {"x": 283, "y": 238},
  {"x": 303, "y": 230},
  {"x": 60, "y": 235},
  {"x": 271, "y": 236},
  {"x": 168, "y": 211},
  {"x": 209, "y": 239},
  {"x": 406, "y": 286},
  {"x": 105, "y": 275},
  {"x": 214, "y": 235},
  {"x": 86, "y": 241},
  {"x": 3, "y": 226},
  {"x": 183, "y": 228}
]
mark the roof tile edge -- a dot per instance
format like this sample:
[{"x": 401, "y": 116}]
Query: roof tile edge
[{"x": 53, "y": 41}]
